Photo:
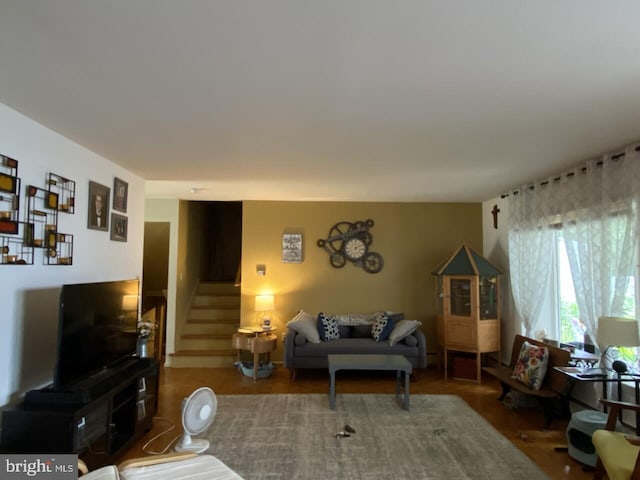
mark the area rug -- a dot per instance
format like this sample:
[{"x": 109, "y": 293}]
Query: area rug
[{"x": 293, "y": 436}]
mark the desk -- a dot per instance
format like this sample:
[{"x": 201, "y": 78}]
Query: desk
[
  {"x": 580, "y": 358},
  {"x": 578, "y": 375}
]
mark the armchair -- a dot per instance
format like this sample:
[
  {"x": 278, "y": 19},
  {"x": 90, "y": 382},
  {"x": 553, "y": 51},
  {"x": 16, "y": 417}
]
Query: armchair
[{"x": 617, "y": 452}]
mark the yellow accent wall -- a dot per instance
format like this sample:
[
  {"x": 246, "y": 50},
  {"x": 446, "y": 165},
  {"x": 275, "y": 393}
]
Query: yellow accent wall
[{"x": 411, "y": 237}]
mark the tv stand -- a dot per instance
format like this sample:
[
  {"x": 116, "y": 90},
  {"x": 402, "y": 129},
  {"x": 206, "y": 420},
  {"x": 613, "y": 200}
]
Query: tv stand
[{"x": 97, "y": 422}]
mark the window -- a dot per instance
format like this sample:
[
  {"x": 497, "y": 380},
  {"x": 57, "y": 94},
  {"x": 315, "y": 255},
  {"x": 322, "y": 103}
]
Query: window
[
  {"x": 569, "y": 325},
  {"x": 571, "y": 328}
]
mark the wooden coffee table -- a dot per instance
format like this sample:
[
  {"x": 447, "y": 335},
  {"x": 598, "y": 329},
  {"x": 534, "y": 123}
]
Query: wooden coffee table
[{"x": 370, "y": 362}]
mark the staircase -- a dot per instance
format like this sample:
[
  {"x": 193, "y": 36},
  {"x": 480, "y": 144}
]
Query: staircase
[{"x": 213, "y": 318}]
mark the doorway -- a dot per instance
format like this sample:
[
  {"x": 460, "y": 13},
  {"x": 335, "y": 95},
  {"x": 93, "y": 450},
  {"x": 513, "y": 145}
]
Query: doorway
[
  {"x": 223, "y": 244},
  {"x": 155, "y": 275}
]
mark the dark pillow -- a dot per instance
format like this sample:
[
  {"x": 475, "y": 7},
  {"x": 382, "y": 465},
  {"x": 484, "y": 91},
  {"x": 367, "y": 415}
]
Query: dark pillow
[
  {"x": 328, "y": 327},
  {"x": 361, "y": 331},
  {"x": 344, "y": 331},
  {"x": 299, "y": 339},
  {"x": 381, "y": 328},
  {"x": 410, "y": 340}
]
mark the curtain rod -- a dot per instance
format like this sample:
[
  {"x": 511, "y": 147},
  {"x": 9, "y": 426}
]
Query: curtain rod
[{"x": 614, "y": 158}]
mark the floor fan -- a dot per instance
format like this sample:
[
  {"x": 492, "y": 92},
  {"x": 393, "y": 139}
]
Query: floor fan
[{"x": 198, "y": 412}]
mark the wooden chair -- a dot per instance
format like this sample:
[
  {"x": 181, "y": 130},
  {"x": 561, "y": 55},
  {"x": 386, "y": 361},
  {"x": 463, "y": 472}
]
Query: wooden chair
[{"x": 617, "y": 452}]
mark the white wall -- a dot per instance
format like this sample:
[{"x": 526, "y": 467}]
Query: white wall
[
  {"x": 496, "y": 249},
  {"x": 29, "y": 293}
]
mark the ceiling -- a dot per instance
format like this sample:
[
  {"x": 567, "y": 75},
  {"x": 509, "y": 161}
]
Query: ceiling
[{"x": 346, "y": 100}]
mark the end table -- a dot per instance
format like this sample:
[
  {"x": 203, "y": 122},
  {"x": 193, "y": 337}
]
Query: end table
[{"x": 257, "y": 341}]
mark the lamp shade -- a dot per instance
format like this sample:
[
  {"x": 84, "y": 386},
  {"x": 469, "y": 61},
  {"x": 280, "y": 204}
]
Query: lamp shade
[
  {"x": 129, "y": 302},
  {"x": 264, "y": 303},
  {"x": 618, "y": 332}
]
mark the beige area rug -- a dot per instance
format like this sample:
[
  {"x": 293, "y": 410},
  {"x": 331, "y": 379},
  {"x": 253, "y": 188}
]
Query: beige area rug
[{"x": 285, "y": 436}]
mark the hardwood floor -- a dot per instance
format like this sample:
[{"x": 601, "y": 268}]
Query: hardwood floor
[{"x": 522, "y": 426}]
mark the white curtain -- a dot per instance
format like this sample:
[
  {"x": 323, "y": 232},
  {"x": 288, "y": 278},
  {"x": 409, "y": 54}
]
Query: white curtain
[
  {"x": 599, "y": 223},
  {"x": 531, "y": 243},
  {"x": 596, "y": 207}
]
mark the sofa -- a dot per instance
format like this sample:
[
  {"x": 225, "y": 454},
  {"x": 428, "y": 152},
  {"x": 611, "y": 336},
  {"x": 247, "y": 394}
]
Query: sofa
[{"x": 311, "y": 338}]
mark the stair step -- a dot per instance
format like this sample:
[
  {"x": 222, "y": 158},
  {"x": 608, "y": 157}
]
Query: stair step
[
  {"x": 224, "y": 352},
  {"x": 210, "y": 306},
  {"x": 214, "y": 321},
  {"x": 214, "y": 313},
  {"x": 220, "y": 288},
  {"x": 203, "y": 344},
  {"x": 213, "y": 318},
  {"x": 205, "y": 336},
  {"x": 226, "y": 329}
]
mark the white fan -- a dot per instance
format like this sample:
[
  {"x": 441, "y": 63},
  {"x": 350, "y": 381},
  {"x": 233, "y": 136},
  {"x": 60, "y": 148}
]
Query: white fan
[{"x": 198, "y": 412}]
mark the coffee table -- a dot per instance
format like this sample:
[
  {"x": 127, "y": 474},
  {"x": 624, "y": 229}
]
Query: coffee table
[{"x": 370, "y": 362}]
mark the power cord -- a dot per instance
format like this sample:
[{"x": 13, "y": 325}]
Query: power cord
[{"x": 167, "y": 430}]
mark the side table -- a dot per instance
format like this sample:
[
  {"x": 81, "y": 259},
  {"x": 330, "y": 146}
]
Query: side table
[
  {"x": 576, "y": 375},
  {"x": 257, "y": 341}
]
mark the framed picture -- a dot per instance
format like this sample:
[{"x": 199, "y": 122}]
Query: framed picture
[
  {"x": 119, "y": 225},
  {"x": 291, "y": 248},
  {"x": 120, "y": 194},
  {"x": 98, "y": 216}
]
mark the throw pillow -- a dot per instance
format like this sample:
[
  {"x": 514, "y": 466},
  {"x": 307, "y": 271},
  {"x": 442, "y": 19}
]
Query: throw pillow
[
  {"x": 395, "y": 316},
  {"x": 305, "y": 324},
  {"x": 353, "y": 319},
  {"x": 361, "y": 331},
  {"x": 328, "y": 327},
  {"x": 344, "y": 331},
  {"x": 381, "y": 328},
  {"x": 402, "y": 329},
  {"x": 531, "y": 365},
  {"x": 410, "y": 341}
]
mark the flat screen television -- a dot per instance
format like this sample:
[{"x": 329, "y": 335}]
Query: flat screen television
[{"x": 97, "y": 330}]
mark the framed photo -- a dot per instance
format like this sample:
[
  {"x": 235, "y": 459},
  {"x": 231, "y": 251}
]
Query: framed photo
[
  {"x": 119, "y": 225},
  {"x": 98, "y": 208},
  {"x": 120, "y": 194},
  {"x": 291, "y": 248}
]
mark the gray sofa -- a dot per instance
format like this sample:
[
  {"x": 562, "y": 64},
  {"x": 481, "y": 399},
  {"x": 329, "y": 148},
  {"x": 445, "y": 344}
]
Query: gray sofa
[{"x": 301, "y": 353}]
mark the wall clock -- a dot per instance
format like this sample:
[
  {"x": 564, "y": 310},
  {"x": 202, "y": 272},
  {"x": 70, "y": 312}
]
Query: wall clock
[{"x": 350, "y": 241}]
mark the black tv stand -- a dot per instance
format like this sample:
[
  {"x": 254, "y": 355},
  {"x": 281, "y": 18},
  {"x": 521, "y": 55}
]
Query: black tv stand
[
  {"x": 50, "y": 396},
  {"x": 97, "y": 422}
]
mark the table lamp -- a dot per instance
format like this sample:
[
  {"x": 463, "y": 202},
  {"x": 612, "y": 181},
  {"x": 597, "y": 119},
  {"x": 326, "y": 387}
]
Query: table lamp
[
  {"x": 617, "y": 332},
  {"x": 264, "y": 306}
]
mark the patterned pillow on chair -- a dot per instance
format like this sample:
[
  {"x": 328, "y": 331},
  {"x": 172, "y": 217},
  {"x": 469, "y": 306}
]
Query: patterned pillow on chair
[{"x": 531, "y": 365}]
